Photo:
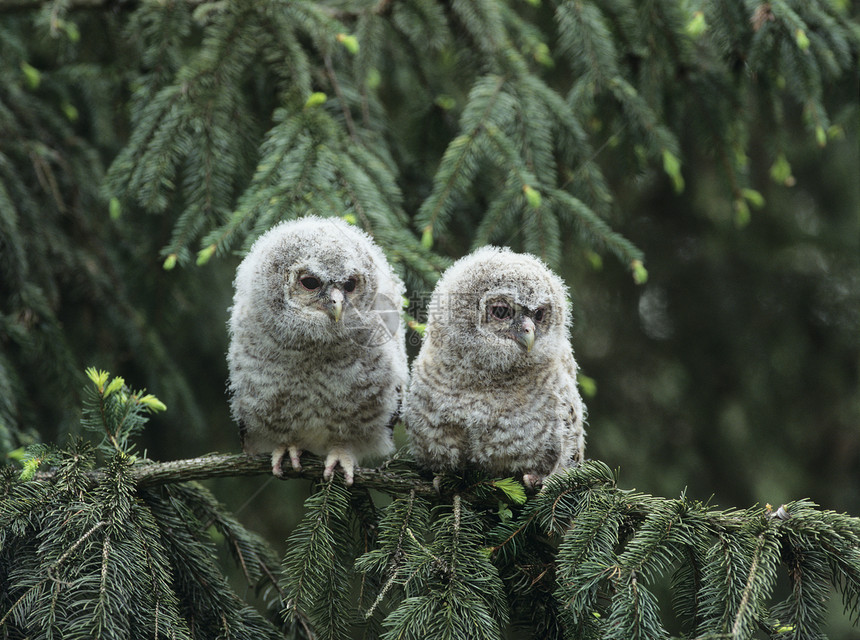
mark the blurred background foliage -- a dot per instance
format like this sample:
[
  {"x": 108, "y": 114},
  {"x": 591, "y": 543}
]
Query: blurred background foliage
[{"x": 718, "y": 143}]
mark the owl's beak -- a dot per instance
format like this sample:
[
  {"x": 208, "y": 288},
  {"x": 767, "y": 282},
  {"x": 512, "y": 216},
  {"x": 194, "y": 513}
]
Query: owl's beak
[
  {"x": 525, "y": 334},
  {"x": 334, "y": 306}
]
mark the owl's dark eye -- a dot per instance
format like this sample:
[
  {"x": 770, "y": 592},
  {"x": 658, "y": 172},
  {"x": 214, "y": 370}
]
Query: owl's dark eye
[
  {"x": 539, "y": 314},
  {"x": 501, "y": 311},
  {"x": 349, "y": 286},
  {"x": 310, "y": 283}
]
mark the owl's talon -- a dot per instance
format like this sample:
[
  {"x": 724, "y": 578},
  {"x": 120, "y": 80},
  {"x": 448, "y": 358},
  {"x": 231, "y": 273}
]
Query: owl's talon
[
  {"x": 277, "y": 458},
  {"x": 347, "y": 463},
  {"x": 295, "y": 455},
  {"x": 532, "y": 480}
]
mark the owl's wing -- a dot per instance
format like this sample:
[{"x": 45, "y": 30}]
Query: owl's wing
[
  {"x": 398, "y": 410},
  {"x": 243, "y": 432},
  {"x": 574, "y": 416}
]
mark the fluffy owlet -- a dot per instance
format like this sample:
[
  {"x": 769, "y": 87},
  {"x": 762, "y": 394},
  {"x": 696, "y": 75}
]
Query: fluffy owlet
[
  {"x": 494, "y": 385},
  {"x": 317, "y": 356}
]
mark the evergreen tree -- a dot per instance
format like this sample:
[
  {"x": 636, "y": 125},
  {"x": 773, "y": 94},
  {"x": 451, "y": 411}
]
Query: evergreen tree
[
  {"x": 109, "y": 544},
  {"x": 143, "y": 146}
]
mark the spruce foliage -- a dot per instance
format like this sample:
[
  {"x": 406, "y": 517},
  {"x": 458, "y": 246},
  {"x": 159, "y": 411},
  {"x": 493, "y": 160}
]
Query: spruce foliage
[
  {"x": 85, "y": 559},
  {"x": 87, "y": 552},
  {"x": 319, "y": 553},
  {"x": 415, "y": 119}
]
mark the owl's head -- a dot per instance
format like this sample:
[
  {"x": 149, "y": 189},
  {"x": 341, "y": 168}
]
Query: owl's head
[
  {"x": 496, "y": 309},
  {"x": 317, "y": 279}
]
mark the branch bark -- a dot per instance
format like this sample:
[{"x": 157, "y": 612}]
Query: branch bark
[
  {"x": 394, "y": 476},
  {"x": 22, "y": 5},
  {"x": 382, "y": 8},
  {"x": 382, "y": 478},
  {"x": 397, "y": 476}
]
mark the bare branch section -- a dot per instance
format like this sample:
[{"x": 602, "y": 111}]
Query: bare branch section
[
  {"x": 22, "y": 5},
  {"x": 382, "y": 8},
  {"x": 384, "y": 478},
  {"x": 222, "y": 465}
]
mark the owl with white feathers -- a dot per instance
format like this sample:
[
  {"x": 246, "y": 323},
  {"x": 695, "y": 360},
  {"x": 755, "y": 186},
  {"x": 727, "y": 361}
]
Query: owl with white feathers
[
  {"x": 494, "y": 384},
  {"x": 317, "y": 357}
]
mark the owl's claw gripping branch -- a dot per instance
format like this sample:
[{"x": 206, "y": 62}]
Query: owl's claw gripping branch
[
  {"x": 347, "y": 463},
  {"x": 278, "y": 459},
  {"x": 532, "y": 480},
  {"x": 295, "y": 455}
]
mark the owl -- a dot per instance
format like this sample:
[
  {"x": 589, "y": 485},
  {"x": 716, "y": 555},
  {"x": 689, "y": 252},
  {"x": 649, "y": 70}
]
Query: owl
[
  {"x": 317, "y": 357},
  {"x": 494, "y": 384}
]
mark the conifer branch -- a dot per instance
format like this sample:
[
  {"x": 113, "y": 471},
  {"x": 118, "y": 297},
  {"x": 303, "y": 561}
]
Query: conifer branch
[
  {"x": 149, "y": 474},
  {"x": 344, "y": 105},
  {"x": 397, "y": 476},
  {"x": 23, "y": 5}
]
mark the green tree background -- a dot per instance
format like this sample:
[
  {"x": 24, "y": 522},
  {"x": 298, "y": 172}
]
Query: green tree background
[{"x": 716, "y": 145}]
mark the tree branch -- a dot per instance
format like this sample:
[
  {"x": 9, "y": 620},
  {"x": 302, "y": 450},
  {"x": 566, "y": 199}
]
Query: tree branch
[
  {"x": 384, "y": 478},
  {"x": 383, "y": 7},
  {"x": 7, "y": 6},
  {"x": 394, "y": 476}
]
